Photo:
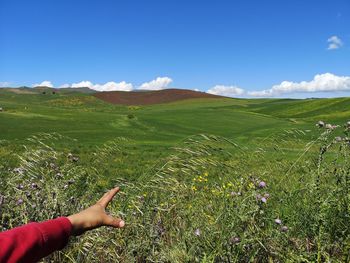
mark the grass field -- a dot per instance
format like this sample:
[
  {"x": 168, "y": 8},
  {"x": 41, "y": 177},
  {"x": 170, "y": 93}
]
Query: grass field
[{"x": 202, "y": 180}]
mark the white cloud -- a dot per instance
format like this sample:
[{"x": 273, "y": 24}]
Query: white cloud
[
  {"x": 334, "y": 42},
  {"x": 321, "y": 83},
  {"x": 156, "y": 84},
  {"x": 228, "y": 91},
  {"x": 45, "y": 83},
  {"x": 109, "y": 86},
  {"x": 64, "y": 86},
  {"x": 4, "y": 84}
]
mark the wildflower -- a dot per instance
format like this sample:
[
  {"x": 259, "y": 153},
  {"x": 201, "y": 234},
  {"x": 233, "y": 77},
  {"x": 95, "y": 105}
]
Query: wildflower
[
  {"x": 20, "y": 186},
  {"x": 320, "y": 124},
  {"x": 197, "y": 232},
  {"x": 75, "y": 159},
  {"x": 284, "y": 229},
  {"x": 194, "y": 188},
  {"x": 262, "y": 184},
  {"x": 18, "y": 170},
  {"x": 250, "y": 185},
  {"x": 71, "y": 182},
  {"x": 267, "y": 195},
  {"x": 338, "y": 139},
  {"x": 19, "y": 201},
  {"x": 348, "y": 125},
  {"x": 278, "y": 221},
  {"x": 233, "y": 194},
  {"x": 235, "y": 240},
  {"x": 263, "y": 200},
  {"x": 65, "y": 186},
  {"x": 34, "y": 185}
]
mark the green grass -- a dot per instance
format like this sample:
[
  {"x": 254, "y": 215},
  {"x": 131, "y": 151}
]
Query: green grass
[
  {"x": 92, "y": 121},
  {"x": 176, "y": 183}
]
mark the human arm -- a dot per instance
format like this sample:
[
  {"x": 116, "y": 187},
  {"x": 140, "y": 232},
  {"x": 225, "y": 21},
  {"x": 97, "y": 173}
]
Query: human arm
[{"x": 31, "y": 242}]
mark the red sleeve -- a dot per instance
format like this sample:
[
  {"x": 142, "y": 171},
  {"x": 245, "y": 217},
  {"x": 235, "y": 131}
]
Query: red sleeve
[{"x": 31, "y": 242}]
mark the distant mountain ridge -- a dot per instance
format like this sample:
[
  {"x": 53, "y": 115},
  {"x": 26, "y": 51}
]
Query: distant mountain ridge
[
  {"x": 151, "y": 97},
  {"x": 44, "y": 89}
]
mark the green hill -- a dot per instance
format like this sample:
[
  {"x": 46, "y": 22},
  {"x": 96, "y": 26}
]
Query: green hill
[{"x": 91, "y": 120}]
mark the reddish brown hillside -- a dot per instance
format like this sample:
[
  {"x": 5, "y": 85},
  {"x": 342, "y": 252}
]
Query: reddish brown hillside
[{"x": 151, "y": 97}]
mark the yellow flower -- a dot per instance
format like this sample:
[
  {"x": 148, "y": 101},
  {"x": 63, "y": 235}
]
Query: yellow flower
[
  {"x": 250, "y": 185},
  {"x": 229, "y": 184},
  {"x": 206, "y": 174},
  {"x": 194, "y": 188}
]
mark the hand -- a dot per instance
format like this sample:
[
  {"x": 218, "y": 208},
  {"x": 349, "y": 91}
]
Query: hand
[{"x": 95, "y": 216}]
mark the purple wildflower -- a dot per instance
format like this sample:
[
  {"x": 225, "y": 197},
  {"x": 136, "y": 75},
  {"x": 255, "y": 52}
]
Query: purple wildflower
[
  {"x": 34, "y": 185},
  {"x": 20, "y": 186},
  {"x": 278, "y": 221},
  {"x": 197, "y": 232},
  {"x": 262, "y": 184},
  {"x": 284, "y": 229},
  {"x": 235, "y": 240},
  {"x": 263, "y": 200},
  {"x": 19, "y": 201}
]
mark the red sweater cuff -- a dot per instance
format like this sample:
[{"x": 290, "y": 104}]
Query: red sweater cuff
[{"x": 55, "y": 233}]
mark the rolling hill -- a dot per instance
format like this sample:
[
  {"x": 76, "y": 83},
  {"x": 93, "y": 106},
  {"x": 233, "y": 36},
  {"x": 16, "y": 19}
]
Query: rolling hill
[{"x": 151, "y": 97}]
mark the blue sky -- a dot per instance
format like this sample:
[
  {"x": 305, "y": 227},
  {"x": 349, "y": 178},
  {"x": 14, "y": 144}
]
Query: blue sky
[{"x": 238, "y": 45}]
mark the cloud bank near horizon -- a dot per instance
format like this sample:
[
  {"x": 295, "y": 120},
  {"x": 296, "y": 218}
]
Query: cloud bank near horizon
[
  {"x": 157, "y": 84},
  {"x": 326, "y": 82}
]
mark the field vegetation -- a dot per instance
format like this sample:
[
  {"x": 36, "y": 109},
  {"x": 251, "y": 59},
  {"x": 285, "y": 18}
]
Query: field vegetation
[{"x": 204, "y": 180}]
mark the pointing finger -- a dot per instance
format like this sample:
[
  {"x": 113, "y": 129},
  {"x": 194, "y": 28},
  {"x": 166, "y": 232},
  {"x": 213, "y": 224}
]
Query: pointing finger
[{"x": 107, "y": 197}]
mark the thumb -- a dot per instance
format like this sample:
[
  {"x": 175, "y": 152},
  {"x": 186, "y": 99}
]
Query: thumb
[{"x": 114, "y": 222}]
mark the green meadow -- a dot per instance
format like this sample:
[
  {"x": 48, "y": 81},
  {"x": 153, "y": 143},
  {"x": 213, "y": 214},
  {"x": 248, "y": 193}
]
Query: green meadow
[{"x": 203, "y": 180}]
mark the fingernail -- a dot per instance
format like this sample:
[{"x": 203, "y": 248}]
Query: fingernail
[{"x": 121, "y": 223}]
